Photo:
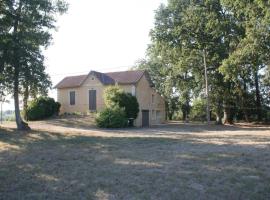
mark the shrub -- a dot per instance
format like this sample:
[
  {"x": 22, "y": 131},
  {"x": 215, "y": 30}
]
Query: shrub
[
  {"x": 112, "y": 95},
  {"x": 130, "y": 104},
  {"x": 115, "y": 96},
  {"x": 113, "y": 117},
  {"x": 41, "y": 108}
]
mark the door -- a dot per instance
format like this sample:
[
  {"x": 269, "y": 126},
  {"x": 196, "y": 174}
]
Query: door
[
  {"x": 145, "y": 118},
  {"x": 92, "y": 100}
]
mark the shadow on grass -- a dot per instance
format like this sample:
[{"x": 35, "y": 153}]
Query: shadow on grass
[
  {"x": 47, "y": 165},
  {"x": 82, "y": 122},
  {"x": 88, "y": 123}
]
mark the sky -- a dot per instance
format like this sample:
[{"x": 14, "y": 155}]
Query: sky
[{"x": 101, "y": 35}]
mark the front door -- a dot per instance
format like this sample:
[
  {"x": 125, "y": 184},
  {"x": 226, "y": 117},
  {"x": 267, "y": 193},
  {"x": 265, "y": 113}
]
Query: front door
[
  {"x": 92, "y": 100},
  {"x": 145, "y": 118}
]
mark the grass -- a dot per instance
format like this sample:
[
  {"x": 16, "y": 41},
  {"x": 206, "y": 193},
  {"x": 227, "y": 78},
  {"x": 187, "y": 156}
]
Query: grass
[{"x": 56, "y": 161}]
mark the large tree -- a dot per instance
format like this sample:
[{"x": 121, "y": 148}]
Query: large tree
[
  {"x": 226, "y": 40},
  {"x": 188, "y": 38},
  {"x": 251, "y": 54},
  {"x": 26, "y": 29}
]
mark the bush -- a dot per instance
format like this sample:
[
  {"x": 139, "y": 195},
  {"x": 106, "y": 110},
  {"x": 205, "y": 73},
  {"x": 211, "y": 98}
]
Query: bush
[
  {"x": 113, "y": 117},
  {"x": 114, "y": 96},
  {"x": 41, "y": 108}
]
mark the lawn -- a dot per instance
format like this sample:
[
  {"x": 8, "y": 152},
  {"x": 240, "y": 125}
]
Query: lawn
[{"x": 177, "y": 161}]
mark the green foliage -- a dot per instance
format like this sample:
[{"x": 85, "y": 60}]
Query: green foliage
[
  {"x": 41, "y": 108},
  {"x": 25, "y": 30},
  {"x": 130, "y": 105},
  {"x": 114, "y": 96},
  {"x": 198, "y": 110},
  {"x": 235, "y": 37},
  {"x": 113, "y": 117},
  {"x": 120, "y": 106}
]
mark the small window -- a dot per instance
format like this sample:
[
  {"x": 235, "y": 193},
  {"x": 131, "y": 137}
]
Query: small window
[
  {"x": 153, "y": 98},
  {"x": 93, "y": 78},
  {"x": 133, "y": 90},
  {"x": 72, "y": 98}
]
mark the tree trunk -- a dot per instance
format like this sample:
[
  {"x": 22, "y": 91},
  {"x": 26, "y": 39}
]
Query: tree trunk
[
  {"x": 228, "y": 119},
  {"x": 258, "y": 96},
  {"x": 219, "y": 113},
  {"x": 170, "y": 115},
  {"x": 245, "y": 103},
  {"x": 246, "y": 115},
  {"x": 21, "y": 125},
  {"x": 25, "y": 100},
  {"x": 206, "y": 88},
  {"x": 184, "y": 115}
]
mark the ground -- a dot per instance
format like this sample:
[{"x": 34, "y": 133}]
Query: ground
[{"x": 70, "y": 159}]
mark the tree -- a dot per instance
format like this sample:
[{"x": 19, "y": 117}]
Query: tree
[
  {"x": 251, "y": 54},
  {"x": 188, "y": 38},
  {"x": 162, "y": 80},
  {"x": 35, "y": 81},
  {"x": 224, "y": 43},
  {"x": 26, "y": 30}
]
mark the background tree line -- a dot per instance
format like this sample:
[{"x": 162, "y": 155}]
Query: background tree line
[{"x": 231, "y": 39}]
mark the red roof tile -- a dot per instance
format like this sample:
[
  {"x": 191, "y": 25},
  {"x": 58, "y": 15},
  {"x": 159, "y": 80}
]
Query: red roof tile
[{"x": 126, "y": 77}]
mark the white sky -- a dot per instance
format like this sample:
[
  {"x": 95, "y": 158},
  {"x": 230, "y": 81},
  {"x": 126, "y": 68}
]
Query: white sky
[{"x": 101, "y": 35}]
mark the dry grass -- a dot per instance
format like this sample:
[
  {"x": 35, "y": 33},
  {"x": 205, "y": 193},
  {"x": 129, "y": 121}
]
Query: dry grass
[{"x": 57, "y": 161}]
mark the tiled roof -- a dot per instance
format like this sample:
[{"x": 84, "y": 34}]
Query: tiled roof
[
  {"x": 110, "y": 78},
  {"x": 126, "y": 77},
  {"x": 71, "y": 81}
]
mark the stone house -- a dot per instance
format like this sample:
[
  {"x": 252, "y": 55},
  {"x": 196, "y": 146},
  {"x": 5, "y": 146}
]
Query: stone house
[{"x": 84, "y": 94}]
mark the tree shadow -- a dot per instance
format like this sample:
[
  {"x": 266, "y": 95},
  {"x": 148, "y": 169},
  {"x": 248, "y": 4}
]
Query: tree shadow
[
  {"x": 82, "y": 122},
  {"x": 87, "y": 124},
  {"x": 49, "y": 165}
]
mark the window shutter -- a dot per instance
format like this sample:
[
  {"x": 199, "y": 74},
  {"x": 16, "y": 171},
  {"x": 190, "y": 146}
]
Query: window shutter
[{"x": 72, "y": 97}]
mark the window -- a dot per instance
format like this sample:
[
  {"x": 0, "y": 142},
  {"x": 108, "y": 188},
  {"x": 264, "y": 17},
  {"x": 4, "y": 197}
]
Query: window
[
  {"x": 133, "y": 90},
  {"x": 153, "y": 98},
  {"x": 72, "y": 98}
]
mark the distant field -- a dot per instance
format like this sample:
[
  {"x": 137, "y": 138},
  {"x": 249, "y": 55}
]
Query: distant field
[{"x": 71, "y": 159}]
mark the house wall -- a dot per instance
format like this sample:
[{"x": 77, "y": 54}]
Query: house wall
[
  {"x": 81, "y": 96},
  {"x": 144, "y": 95},
  {"x": 142, "y": 90}
]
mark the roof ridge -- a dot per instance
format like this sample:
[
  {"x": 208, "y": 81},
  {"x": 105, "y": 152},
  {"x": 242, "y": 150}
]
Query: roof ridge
[
  {"x": 106, "y": 78},
  {"x": 126, "y": 71},
  {"x": 75, "y": 75}
]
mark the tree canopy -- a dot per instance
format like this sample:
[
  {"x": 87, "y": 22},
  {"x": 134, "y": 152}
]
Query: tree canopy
[
  {"x": 25, "y": 30},
  {"x": 232, "y": 37}
]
